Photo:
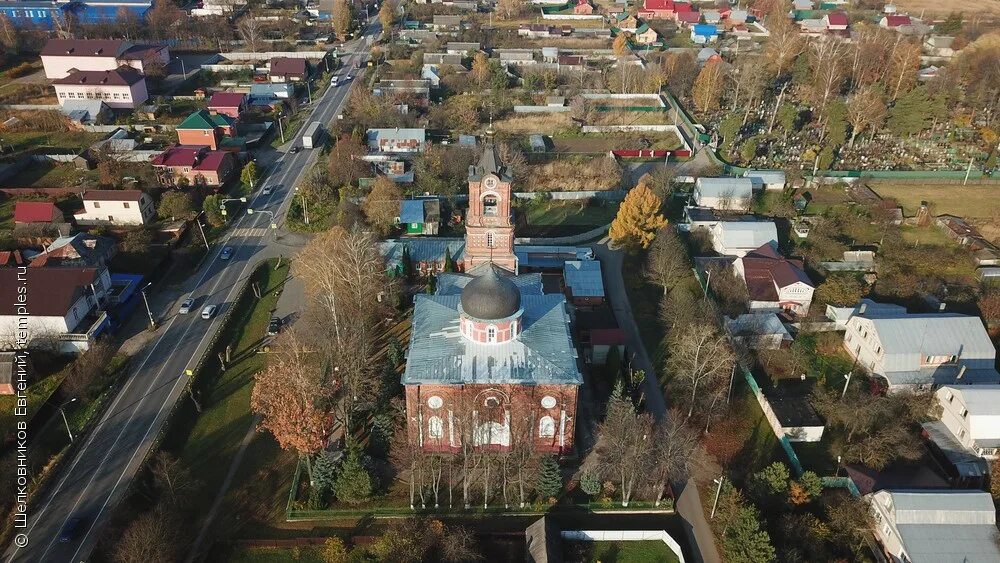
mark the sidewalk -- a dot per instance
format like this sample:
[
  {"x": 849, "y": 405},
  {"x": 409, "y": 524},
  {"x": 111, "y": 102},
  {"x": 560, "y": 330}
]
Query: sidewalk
[{"x": 611, "y": 263}]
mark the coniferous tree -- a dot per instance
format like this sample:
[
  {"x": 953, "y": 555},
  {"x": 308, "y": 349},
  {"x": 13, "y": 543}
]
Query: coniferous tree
[{"x": 550, "y": 481}]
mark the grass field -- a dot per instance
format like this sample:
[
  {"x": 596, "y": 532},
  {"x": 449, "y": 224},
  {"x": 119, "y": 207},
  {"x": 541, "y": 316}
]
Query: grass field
[
  {"x": 974, "y": 202},
  {"x": 936, "y": 9},
  {"x": 624, "y": 551},
  {"x": 6, "y": 213},
  {"x": 561, "y": 218}
]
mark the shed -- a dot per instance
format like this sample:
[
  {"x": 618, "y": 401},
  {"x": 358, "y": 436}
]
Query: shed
[
  {"x": 420, "y": 216},
  {"x": 584, "y": 283},
  {"x": 537, "y": 143},
  {"x": 766, "y": 179}
]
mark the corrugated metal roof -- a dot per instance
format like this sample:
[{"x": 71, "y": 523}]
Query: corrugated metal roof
[
  {"x": 746, "y": 234},
  {"x": 411, "y": 211},
  {"x": 453, "y": 283},
  {"x": 583, "y": 277},
  {"x": 966, "y": 461},
  {"x": 736, "y": 188},
  {"x": 906, "y": 338},
  {"x": 765, "y": 176},
  {"x": 543, "y": 352},
  {"x": 422, "y": 250},
  {"x": 958, "y": 507},
  {"x": 934, "y": 543}
]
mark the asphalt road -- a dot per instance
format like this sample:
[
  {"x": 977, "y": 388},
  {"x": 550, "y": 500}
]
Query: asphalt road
[{"x": 94, "y": 481}]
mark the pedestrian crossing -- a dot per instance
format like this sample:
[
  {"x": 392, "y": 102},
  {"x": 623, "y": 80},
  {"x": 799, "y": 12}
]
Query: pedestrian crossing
[{"x": 250, "y": 232}]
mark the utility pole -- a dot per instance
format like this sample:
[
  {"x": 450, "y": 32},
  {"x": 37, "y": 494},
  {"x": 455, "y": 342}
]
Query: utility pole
[
  {"x": 152, "y": 323},
  {"x": 66, "y": 422},
  {"x": 200, "y": 228},
  {"x": 847, "y": 381},
  {"x": 718, "y": 491}
]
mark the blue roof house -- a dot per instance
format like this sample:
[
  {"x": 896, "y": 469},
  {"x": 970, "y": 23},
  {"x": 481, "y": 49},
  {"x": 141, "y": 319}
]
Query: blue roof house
[{"x": 704, "y": 33}]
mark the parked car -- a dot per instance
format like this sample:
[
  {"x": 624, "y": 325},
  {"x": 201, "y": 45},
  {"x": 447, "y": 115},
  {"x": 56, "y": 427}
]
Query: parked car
[
  {"x": 227, "y": 253},
  {"x": 274, "y": 326},
  {"x": 186, "y": 306},
  {"x": 209, "y": 311},
  {"x": 70, "y": 530}
]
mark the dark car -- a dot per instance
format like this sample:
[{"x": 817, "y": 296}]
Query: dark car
[
  {"x": 274, "y": 326},
  {"x": 70, "y": 530},
  {"x": 296, "y": 149}
]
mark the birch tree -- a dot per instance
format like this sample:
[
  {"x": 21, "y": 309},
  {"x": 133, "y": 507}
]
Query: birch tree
[
  {"x": 623, "y": 443},
  {"x": 670, "y": 454},
  {"x": 866, "y": 110},
  {"x": 700, "y": 360},
  {"x": 826, "y": 62}
]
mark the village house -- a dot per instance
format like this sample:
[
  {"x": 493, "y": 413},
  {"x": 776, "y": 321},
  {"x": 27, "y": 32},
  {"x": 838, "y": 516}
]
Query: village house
[
  {"x": 397, "y": 140},
  {"x": 940, "y": 46},
  {"x": 626, "y": 22},
  {"x": 81, "y": 250},
  {"x": 584, "y": 283},
  {"x": 775, "y": 284},
  {"x": 463, "y": 48},
  {"x": 661, "y": 9},
  {"x": 935, "y": 525},
  {"x": 837, "y": 22},
  {"x": 62, "y": 56},
  {"x": 27, "y": 212},
  {"x": 444, "y": 59},
  {"x": 687, "y": 18},
  {"x": 737, "y": 238},
  {"x": 645, "y": 35},
  {"x": 420, "y": 216},
  {"x": 767, "y": 179},
  {"x": 194, "y": 166},
  {"x": 121, "y": 88},
  {"x": 116, "y": 207},
  {"x": 895, "y": 21},
  {"x": 441, "y": 23},
  {"x": 918, "y": 350},
  {"x": 288, "y": 69},
  {"x": 704, "y": 33},
  {"x": 968, "y": 432},
  {"x": 205, "y": 129},
  {"x": 534, "y": 30},
  {"x": 413, "y": 91},
  {"x": 723, "y": 194},
  {"x": 758, "y": 331},
  {"x": 232, "y": 104},
  {"x": 65, "y": 306}
]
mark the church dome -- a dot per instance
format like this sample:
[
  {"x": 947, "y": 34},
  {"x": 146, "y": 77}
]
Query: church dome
[{"x": 491, "y": 296}]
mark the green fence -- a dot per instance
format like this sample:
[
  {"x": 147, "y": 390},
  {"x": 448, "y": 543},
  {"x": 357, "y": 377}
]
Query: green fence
[{"x": 648, "y": 109}]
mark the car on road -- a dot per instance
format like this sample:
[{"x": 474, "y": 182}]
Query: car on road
[
  {"x": 348, "y": 78},
  {"x": 267, "y": 190},
  {"x": 70, "y": 530},
  {"x": 274, "y": 326},
  {"x": 295, "y": 149},
  {"x": 226, "y": 253},
  {"x": 209, "y": 311},
  {"x": 334, "y": 80},
  {"x": 186, "y": 306}
]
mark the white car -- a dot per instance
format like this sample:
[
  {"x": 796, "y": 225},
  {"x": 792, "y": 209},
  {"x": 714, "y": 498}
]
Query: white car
[
  {"x": 334, "y": 80},
  {"x": 208, "y": 312}
]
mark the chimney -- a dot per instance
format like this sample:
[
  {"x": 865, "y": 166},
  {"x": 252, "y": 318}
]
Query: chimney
[
  {"x": 961, "y": 372},
  {"x": 862, "y": 309}
]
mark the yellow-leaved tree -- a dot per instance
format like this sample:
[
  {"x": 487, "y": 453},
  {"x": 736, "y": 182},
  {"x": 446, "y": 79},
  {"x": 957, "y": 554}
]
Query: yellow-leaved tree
[{"x": 638, "y": 218}]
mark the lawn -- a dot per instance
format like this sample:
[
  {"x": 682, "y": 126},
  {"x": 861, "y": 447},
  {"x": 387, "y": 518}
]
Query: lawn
[
  {"x": 977, "y": 202},
  {"x": 48, "y": 175},
  {"x": 206, "y": 442},
  {"x": 7, "y": 213},
  {"x": 76, "y": 140},
  {"x": 38, "y": 393},
  {"x": 623, "y": 551},
  {"x": 563, "y": 218}
]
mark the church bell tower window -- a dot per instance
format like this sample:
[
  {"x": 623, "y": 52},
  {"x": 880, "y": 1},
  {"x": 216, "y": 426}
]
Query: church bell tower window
[{"x": 491, "y": 205}]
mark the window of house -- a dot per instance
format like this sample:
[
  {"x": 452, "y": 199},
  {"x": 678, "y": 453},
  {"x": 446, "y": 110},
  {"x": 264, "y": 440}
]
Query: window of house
[
  {"x": 90, "y": 95},
  {"x": 490, "y": 239},
  {"x": 965, "y": 413},
  {"x": 125, "y": 204},
  {"x": 491, "y": 334},
  {"x": 491, "y": 205},
  {"x": 546, "y": 427},
  {"x": 435, "y": 427},
  {"x": 97, "y": 205},
  {"x": 62, "y": 94},
  {"x": 878, "y": 349}
]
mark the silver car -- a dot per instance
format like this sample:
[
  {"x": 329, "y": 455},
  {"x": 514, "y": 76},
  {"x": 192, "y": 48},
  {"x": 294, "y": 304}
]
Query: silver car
[
  {"x": 186, "y": 306},
  {"x": 208, "y": 312}
]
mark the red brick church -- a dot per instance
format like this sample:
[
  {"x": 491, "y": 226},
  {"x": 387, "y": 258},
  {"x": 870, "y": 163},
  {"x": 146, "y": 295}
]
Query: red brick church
[{"x": 491, "y": 356}]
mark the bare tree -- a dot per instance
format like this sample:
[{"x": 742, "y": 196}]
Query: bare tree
[
  {"x": 700, "y": 360},
  {"x": 667, "y": 263},
  {"x": 783, "y": 45},
  {"x": 826, "y": 60},
  {"x": 172, "y": 477},
  {"x": 670, "y": 454},
  {"x": 623, "y": 444},
  {"x": 251, "y": 30},
  {"x": 152, "y": 536},
  {"x": 865, "y": 110}
]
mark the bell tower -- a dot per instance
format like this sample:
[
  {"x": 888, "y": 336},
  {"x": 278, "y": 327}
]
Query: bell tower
[{"x": 489, "y": 233}]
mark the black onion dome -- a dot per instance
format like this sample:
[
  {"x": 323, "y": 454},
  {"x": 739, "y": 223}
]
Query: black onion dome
[{"x": 491, "y": 296}]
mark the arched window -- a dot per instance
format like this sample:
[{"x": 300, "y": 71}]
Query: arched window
[
  {"x": 546, "y": 427},
  {"x": 435, "y": 427},
  {"x": 490, "y": 239},
  {"x": 491, "y": 334},
  {"x": 491, "y": 205}
]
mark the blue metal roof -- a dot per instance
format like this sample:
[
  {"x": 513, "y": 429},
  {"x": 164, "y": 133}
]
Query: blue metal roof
[
  {"x": 705, "y": 29},
  {"x": 411, "y": 211},
  {"x": 542, "y": 354},
  {"x": 421, "y": 249},
  {"x": 583, "y": 277}
]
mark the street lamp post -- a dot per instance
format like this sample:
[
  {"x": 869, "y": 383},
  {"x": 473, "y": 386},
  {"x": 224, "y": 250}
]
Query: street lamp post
[
  {"x": 715, "y": 503},
  {"x": 222, "y": 204},
  {"x": 274, "y": 221},
  {"x": 280, "y": 128},
  {"x": 152, "y": 323},
  {"x": 197, "y": 220},
  {"x": 183, "y": 68},
  {"x": 305, "y": 207},
  {"x": 65, "y": 421},
  {"x": 847, "y": 381}
]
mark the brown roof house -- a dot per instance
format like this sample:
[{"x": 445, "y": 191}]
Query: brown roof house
[
  {"x": 120, "y": 88},
  {"x": 26, "y": 212},
  {"x": 774, "y": 283},
  {"x": 62, "y": 309},
  {"x": 288, "y": 69},
  {"x": 77, "y": 251}
]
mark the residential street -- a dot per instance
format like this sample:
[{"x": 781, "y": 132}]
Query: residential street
[{"x": 97, "y": 475}]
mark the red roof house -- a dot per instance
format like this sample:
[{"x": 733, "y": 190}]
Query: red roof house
[
  {"x": 228, "y": 103},
  {"x": 36, "y": 212},
  {"x": 688, "y": 17},
  {"x": 658, "y": 9},
  {"x": 775, "y": 283},
  {"x": 837, "y": 21},
  {"x": 196, "y": 165},
  {"x": 895, "y": 21},
  {"x": 288, "y": 69}
]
